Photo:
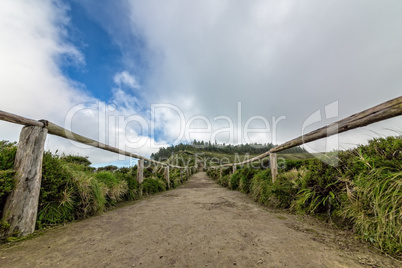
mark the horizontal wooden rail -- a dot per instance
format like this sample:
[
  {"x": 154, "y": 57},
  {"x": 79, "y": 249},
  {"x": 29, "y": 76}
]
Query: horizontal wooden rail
[
  {"x": 375, "y": 114},
  {"x": 16, "y": 119},
  {"x": 383, "y": 111},
  {"x": 64, "y": 133}
]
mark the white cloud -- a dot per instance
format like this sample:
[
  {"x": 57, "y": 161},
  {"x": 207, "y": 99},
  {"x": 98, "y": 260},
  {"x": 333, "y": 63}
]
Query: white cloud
[
  {"x": 33, "y": 47},
  {"x": 33, "y": 43},
  {"x": 278, "y": 58},
  {"x": 126, "y": 79}
]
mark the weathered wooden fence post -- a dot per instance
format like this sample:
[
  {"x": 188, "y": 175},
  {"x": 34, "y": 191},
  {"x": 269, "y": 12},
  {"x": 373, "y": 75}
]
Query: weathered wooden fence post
[
  {"x": 167, "y": 176},
  {"x": 140, "y": 176},
  {"x": 274, "y": 166},
  {"x": 21, "y": 207},
  {"x": 220, "y": 173},
  {"x": 234, "y": 169},
  {"x": 181, "y": 175},
  {"x": 140, "y": 171}
]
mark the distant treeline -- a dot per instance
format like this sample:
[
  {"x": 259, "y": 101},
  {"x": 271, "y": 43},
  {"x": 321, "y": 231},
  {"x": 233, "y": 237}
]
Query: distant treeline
[{"x": 201, "y": 146}]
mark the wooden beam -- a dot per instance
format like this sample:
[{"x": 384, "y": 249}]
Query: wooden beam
[
  {"x": 167, "y": 178},
  {"x": 21, "y": 207},
  {"x": 251, "y": 160},
  {"x": 383, "y": 111},
  {"x": 375, "y": 114},
  {"x": 274, "y": 166},
  {"x": 140, "y": 171},
  {"x": 56, "y": 130},
  {"x": 64, "y": 133},
  {"x": 16, "y": 119}
]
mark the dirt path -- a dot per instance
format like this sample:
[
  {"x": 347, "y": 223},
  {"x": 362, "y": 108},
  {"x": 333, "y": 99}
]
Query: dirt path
[{"x": 200, "y": 224}]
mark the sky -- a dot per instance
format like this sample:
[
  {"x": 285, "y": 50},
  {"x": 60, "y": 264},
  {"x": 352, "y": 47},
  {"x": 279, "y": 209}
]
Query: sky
[{"x": 141, "y": 75}]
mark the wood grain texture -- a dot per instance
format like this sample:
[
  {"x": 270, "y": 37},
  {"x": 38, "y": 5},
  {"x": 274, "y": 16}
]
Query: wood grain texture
[
  {"x": 21, "y": 207},
  {"x": 274, "y": 166},
  {"x": 140, "y": 171},
  {"x": 167, "y": 178},
  {"x": 16, "y": 119}
]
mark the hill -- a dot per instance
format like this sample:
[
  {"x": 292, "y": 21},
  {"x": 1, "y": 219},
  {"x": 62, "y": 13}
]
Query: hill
[{"x": 216, "y": 154}]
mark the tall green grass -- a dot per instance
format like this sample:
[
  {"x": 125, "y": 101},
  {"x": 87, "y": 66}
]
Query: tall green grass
[
  {"x": 363, "y": 192},
  {"x": 374, "y": 205},
  {"x": 71, "y": 189}
]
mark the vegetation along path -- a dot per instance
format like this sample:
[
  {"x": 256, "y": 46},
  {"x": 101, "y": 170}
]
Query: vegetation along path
[{"x": 200, "y": 224}]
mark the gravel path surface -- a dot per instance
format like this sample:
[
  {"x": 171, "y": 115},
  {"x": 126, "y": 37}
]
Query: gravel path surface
[{"x": 200, "y": 224}]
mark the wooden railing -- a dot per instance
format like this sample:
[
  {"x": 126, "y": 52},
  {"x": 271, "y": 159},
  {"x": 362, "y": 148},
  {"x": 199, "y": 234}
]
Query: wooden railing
[
  {"x": 20, "y": 210},
  {"x": 21, "y": 207},
  {"x": 383, "y": 111},
  {"x": 56, "y": 130}
]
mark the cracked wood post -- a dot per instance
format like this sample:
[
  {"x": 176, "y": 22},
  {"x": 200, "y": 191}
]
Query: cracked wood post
[
  {"x": 167, "y": 176},
  {"x": 21, "y": 207},
  {"x": 220, "y": 173},
  {"x": 274, "y": 166},
  {"x": 234, "y": 169},
  {"x": 140, "y": 176},
  {"x": 140, "y": 171},
  {"x": 181, "y": 175}
]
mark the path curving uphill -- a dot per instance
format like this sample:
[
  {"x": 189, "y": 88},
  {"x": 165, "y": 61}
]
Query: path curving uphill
[{"x": 200, "y": 224}]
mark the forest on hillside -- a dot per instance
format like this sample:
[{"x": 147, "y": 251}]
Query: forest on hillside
[{"x": 201, "y": 146}]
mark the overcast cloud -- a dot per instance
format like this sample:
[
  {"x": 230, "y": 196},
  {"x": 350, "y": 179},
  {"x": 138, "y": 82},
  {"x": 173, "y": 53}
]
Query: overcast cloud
[{"x": 277, "y": 58}]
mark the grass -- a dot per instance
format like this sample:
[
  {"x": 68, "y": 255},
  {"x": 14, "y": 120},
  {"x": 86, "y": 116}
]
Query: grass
[
  {"x": 363, "y": 193},
  {"x": 72, "y": 190}
]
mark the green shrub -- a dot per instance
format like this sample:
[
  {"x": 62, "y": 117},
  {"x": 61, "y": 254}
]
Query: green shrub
[
  {"x": 90, "y": 196},
  {"x": 8, "y": 151},
  {"x": 286, "y": 187},
  {"x": 320, "y": 188},
  {"x": 174, "y": 177},
  {"x": 258, "y": 186},
  {"x": 364, "y": 191},
  {"x": 375, "y": 208},
  {"x": 234, "y": 180},
  {"x": 162, "y": 185},
  {"x": 224, "y": 181},
  {"x": 132, "y": 185},
  {"x": 213, "y": 173},
  {"x": 56, "y": 203},
  {"x": 108, "y": 168},
  {"x": 294, "y": 164},
  {"x": 107, "y": 178},
  {"x": 55, "y": 178},
  {"x": 246, "y": 175},
  {"x": 7, "y": 184},
  {"x": 75, "y": 159},
  {"x": 116, "y": 188},
  {"x": 52, "y": 213},
  {"x": 150, "y": 186}
]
